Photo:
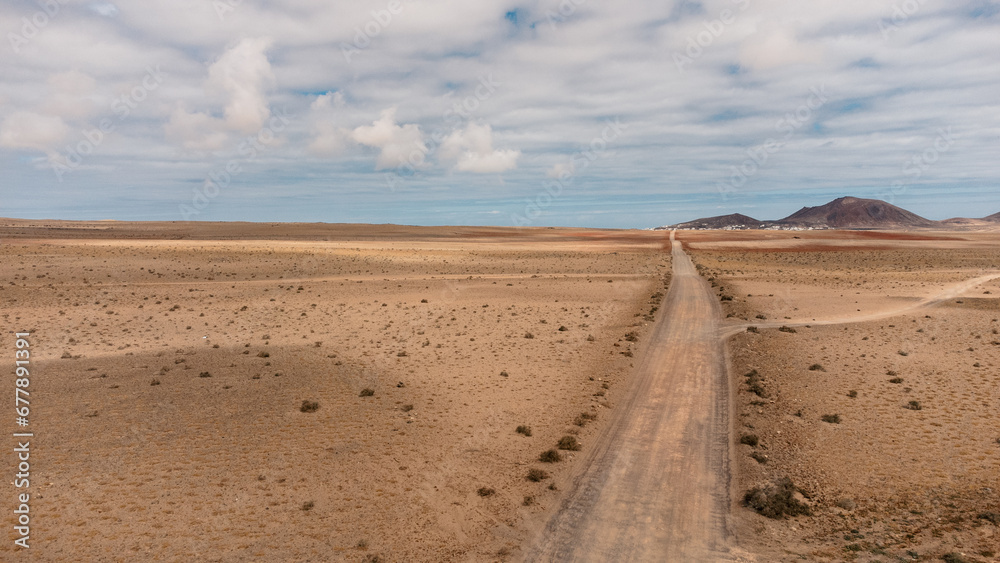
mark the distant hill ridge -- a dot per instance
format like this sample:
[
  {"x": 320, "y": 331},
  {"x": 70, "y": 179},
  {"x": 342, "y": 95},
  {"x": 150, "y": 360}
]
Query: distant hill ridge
[{"x": 842, "y": 213}]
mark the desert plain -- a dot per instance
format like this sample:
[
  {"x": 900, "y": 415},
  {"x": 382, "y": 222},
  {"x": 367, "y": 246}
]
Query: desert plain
[{"x": 283, "y": 392}]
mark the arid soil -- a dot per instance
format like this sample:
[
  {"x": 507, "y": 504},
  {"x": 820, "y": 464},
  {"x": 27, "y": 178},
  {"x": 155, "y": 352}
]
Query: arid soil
[
  {"x": 906, "y": 466},
  {"x": 238, "y": 392},
  {"x": 170, "y": 375}
]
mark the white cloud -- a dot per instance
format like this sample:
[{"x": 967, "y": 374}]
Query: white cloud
[
  {"x": 195, "y": 131},
  {"x": 327, "y": 138},
  {"x": 548, "y": 87},
  {"x": 71, "y": 95},
  {"x": 560, "y": 169},
  {"x": 398, "y": 145},
  {"x": 244, "y": 74},
  {"x": 328, "y": 101},
  {"x": 773, "y": 46},
  {"x": 471, "y": 150},
  {"x": 241, "y": 76},
  {"x": 29, "y": 130},
  {"x": 105, "y": 9}
]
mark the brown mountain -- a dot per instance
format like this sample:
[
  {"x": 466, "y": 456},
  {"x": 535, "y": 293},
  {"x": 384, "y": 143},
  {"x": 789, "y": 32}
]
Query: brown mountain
[
  {"x": 995, "y": 217},
  {"x": 731, "y": 221},
  {"x": 856, "y": 213}
]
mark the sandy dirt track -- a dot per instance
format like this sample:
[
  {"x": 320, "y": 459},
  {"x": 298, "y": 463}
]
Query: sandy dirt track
[
  {"x": 655, "y": 488},
  {"x": 950, "y": 292}
]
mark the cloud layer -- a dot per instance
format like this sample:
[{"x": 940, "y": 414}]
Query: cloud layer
[{"x": 466, "y": 111}]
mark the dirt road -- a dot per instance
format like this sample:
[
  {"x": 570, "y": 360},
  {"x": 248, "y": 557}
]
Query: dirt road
[{"x": 656, "y": 485}]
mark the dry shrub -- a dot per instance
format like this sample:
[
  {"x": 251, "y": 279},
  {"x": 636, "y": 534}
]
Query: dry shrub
[
  {"x": 536, "y": 475},
  {"x": 569, "y": 443},
  {"x": 776, "y": 500},
  {"x": 549, "y": 456}
]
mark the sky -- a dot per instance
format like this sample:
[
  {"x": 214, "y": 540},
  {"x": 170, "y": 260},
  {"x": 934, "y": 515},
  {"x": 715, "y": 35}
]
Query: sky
[{"x": 626, "y": 114}]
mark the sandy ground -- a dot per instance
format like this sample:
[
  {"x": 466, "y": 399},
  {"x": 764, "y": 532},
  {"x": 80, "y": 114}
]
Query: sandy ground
[
  {"x": 171, "y": 362},
  {"x": 889, "y": 482},
  {"x": 169, "y": 375}
]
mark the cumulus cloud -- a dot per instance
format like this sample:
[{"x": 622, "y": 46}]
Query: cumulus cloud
[
  {"x": 327, "y": 138},
  {"x": 244, "y": 74},
  {"x": 29, "y": 130},
  {"x": 471, "y": 150},
  {"x": 398, "y": 145},
  {"x": 69, "y": 100}
]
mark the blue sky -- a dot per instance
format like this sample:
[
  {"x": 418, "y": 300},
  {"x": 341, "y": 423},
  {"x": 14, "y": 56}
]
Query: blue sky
[{"x": 564, "y": 112}]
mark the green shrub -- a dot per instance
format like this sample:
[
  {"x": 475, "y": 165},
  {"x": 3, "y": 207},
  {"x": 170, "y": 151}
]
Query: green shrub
[
  {"x": 526, "y": 430},
  {"x": 309, "y": 406}
]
